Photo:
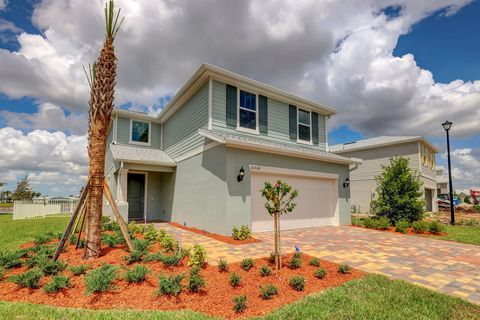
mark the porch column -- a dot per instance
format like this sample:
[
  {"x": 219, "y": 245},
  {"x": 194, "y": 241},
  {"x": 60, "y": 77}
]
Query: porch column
[{"x": 122, "y": 186}]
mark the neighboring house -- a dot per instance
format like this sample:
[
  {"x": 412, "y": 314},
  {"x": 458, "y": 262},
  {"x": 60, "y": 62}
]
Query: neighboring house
[
  {"x": 442, "y": 180},
  {"x": 377, "y": 152},
  {"x": 203, "y": 160}
]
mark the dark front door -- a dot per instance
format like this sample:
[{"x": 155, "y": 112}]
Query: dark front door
[{"x": 136, "y": 196}]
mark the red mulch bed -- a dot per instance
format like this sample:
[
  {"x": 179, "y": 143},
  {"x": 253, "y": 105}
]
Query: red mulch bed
[
  {"x": 410, "y": 231},
  {"x": 216, "y": 236},
  {"x": 215, "y": 299}
]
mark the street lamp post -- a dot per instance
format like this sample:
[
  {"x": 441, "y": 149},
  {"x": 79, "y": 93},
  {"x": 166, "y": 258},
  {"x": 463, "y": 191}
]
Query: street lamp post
[{"x": 447, "y": 125}]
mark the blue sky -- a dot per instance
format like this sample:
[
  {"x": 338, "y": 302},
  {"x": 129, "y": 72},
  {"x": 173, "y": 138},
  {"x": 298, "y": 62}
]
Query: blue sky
[{"x": 43, "y": 86}]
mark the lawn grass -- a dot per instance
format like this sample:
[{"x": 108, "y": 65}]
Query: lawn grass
[
  {"x": 373, "y": 297},
  {"x": 14, "y": 233},
  {"x": 6, "y": 205},
  {"x": 463, "y": 234}
]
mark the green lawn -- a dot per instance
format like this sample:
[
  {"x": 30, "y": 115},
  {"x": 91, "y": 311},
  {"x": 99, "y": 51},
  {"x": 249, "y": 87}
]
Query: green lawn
[
  {"x": 374, "y": 297},
  {"x": 464, "y": 234},
  {"x": 14, "y": 233}
]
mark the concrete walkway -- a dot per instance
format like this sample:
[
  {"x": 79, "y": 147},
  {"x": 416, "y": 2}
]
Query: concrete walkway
[{"x": 444, "y": 266}]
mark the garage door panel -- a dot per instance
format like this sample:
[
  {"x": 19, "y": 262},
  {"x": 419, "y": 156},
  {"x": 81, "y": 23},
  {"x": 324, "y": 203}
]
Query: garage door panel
[{"x": 316, "y": 202}]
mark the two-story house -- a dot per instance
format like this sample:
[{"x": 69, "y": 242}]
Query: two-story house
[
  {"x": 203, "y": 160},
  {"x": 376, "y": 153}
]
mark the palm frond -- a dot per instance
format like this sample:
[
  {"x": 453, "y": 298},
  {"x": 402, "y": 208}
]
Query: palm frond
[{"x": 112, "y": 26}]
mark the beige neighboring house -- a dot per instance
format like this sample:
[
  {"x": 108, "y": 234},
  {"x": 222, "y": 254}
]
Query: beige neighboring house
[
  {"x": 377, "y": 152},
  {"x": 442, "y": 180}
]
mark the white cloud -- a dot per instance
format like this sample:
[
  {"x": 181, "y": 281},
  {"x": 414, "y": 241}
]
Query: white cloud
[
  {"x": 3, "y": 4},
  {"x": 465, "y": 168}
]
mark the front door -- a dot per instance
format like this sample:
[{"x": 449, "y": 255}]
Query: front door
[
  {"x": 136, "y": 196},
  {"x": 429, "y": 199}
]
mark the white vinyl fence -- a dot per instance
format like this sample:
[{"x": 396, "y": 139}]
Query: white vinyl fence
[{"x": 42, "y": 208}]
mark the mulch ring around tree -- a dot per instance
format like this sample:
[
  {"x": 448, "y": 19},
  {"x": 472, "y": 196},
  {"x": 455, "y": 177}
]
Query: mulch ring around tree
[
  {"x": 216, "y": 236},
  {"x": 215, "y": 299},
  {"x": 410, "y": 231}
]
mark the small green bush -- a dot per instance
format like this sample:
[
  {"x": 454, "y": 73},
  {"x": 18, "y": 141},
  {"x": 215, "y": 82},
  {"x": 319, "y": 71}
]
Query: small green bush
[
  {"x": 101, "y": 279},
  {"x": 222, "y": 265},
  {"x": 241, "y": 233},
  {"x": 111, "y": 240},
  {"x": 44, "y": 249},
  {"x": 370, "y": 223},
  {"x": 265, "y": 271},
  {"x": 383, "y": 223},
  {"x": 73, "y": 239},
  {"x": 295, "y": 263},
  {"x": 10, "y": 259},
  {"x": 79, "y": 270},
  {"x": 174, "y": 259},
  {"x": 320, "y": 273},
  {"x": 136, "y": 274},
  {"x": 171, "y": 285},
  {"x": 135, "y": 228},
  {"x": 420, "y": 226},
  {"x": 2, "y": 272},
  {"x": 297, "y": 283},
  {"x": 247, "y": 264},
  {"x": 29, "y": 279},
  {"x": 268, "y": 291},
  {"x": 235, "y": 279},
  {"x": 150, "y": 233},
  {"x": 314, "y": 262},
  {"x": 42, "y": 238},
  {"x": 195, "y": 282},
  {"x": 436, "y": 227},
  {"x": 297, "y": 255},
  {"x": 239, "y": 303},
  {"x": 56, "y": 283},
  {"x": 134, "y": 256},
  {"x": 344, "y": 268},
  {"x": 141, "y": 245},
  {"x": 195, "y": 270},
  {"x": 169, "y": 243},
  {"x": 271, "y": 258},
  {"x": 402, "y": 225},
  {"x": 140, "y": 249},
  {"x": 46, "y": 264},
  {"x": 107, "y": 223},
  {"x": 197, "y": 256}
]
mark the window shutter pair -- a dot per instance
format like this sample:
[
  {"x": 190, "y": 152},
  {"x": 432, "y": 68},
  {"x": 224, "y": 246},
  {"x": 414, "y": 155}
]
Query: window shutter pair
[
  {"x": 315, "y": 128},
  {"x": 231, "y": 112},
  {"x": 263, "y": 114}
]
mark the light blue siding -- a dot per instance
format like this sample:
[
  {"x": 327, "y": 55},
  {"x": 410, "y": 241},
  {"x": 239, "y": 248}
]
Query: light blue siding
[
  {"x": 181, "y": 129},
  {"x": 277, "y": 117},
  {"x": 123, "y": 132}
]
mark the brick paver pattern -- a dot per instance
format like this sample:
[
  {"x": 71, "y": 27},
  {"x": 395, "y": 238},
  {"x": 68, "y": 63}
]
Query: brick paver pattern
[{"x": 444, "y": 266}]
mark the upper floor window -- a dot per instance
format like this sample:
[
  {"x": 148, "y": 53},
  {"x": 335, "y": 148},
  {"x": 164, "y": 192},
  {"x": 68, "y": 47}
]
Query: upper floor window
[
  {"x": 304, "y": 125},
  {"x": 247, "y": 110},
  {"x": 139, "y": 132}
]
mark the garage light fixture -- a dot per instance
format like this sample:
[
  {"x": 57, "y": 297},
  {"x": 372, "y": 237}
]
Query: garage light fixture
[
  {"x": 346, "y": 184},
  {"x": 241, "y": 174}
]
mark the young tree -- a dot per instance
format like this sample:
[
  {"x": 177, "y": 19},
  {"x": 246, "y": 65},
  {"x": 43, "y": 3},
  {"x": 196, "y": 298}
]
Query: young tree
[
  {"x": 23, "y": 191},
  {"x": 279, "y": 200},
  {"x": 399, "y": 192},
  {"x": 102, "y": 90}
]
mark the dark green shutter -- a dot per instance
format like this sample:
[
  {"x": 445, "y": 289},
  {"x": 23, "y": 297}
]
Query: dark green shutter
[
  {"x": 292, "y": 117},
  {"x": 231, "y": 113},
  {"x": 315, "y": 128},
  {"x": 263, "y": 114}
]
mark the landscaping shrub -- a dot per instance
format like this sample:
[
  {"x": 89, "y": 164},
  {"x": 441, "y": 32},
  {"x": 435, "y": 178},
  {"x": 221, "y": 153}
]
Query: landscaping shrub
[
  {"x": 135, "y": 228},
  {"x": 195, "y": 270},
  {"x": 402, "y": 225},
  {"x": 399, "y": 191},
  {"x": 222, "y": 265},
  {"x": 320, "y": 273},
  {"x": 136, "y": 274},
  {"x": 73, "y": 239},
  {"x": 295, "y": 263},
  {"x": 195, "y": 280},
  {"x": 235, "y": 279},
  {"x": 268, "y": 291},
  {"x": 111, "y": 240},
  {"x": 197, "y": 256},
  {"x": 383, "y": 223},
  {"x": 140, "y": 249},
  {"x": 239, "y": 303},
  {"x": 247, "y": 264},
  {"x": 420, "y": 226},
  {"x": 10, "y": 259},
  {"x": 171, "y": 285},
  {"x": 297, "y": 255},
  {"x": 150, "y": 233},
  {"x": 79, "y": 270},
  {"x": 101, "y": 279},
  {"x": 297, "y": 283},
  {"x": 29, "y": 279},
  {"x": 370, "y": 223},
  {"x": 169, "y": 243},
  {"x": 173, "y": 260},
  {"x": 344, "y": 268},
  {"x": 46, "y": 264},
  {"x": 44, "y": 249},
  {"x": 271, "y": 258},
  {"x": 314, "y": 262},
  {"x": 42, "y": 238},
  {"x": 56, "y": 283},
  {"x": 241, "y": 233},
  {"x": 265, "y": 271},
  {"x": 107, "y": 224},
  {"x": 2, "y": 272},
  {"x": 436, "y": 227}
]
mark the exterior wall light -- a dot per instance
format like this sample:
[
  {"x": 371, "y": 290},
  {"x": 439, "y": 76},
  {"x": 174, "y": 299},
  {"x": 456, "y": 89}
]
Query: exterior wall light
[
  {"x": 241, "y": 174},
  {"x": 346, "y": 184}
]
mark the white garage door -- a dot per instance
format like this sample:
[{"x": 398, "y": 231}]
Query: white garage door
[{"x": 317, "y": 202}]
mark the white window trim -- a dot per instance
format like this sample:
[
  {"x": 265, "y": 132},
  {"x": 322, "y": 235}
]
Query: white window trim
[
  {"x": 310, "y": 142},
  {"x": 130, "y": 141},
  {"x": 240, "y": 128}
]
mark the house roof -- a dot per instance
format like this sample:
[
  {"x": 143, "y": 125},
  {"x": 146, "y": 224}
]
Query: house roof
[
  {"x": 267, "y": 145},
  {"x": 134, "y": 154},
  {"x": 378, "y": 142}
]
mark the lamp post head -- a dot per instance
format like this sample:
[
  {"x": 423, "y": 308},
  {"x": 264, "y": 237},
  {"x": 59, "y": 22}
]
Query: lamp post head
[{"x": 447, "y": 125}]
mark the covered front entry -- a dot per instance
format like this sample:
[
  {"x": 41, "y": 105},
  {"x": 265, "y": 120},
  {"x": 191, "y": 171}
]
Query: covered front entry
[
  {"x": 317, "y": 202},
  {"x": 429, "y": 199},
  {"x": 136, "y": 196}
]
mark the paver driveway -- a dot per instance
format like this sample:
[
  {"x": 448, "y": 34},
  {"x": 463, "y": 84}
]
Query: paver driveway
[{"x": 445, "y": 266}]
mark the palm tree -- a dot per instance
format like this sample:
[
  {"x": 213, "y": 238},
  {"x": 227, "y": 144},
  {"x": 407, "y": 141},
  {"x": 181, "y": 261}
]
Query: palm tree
[{"x": 102, "y": 89}]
